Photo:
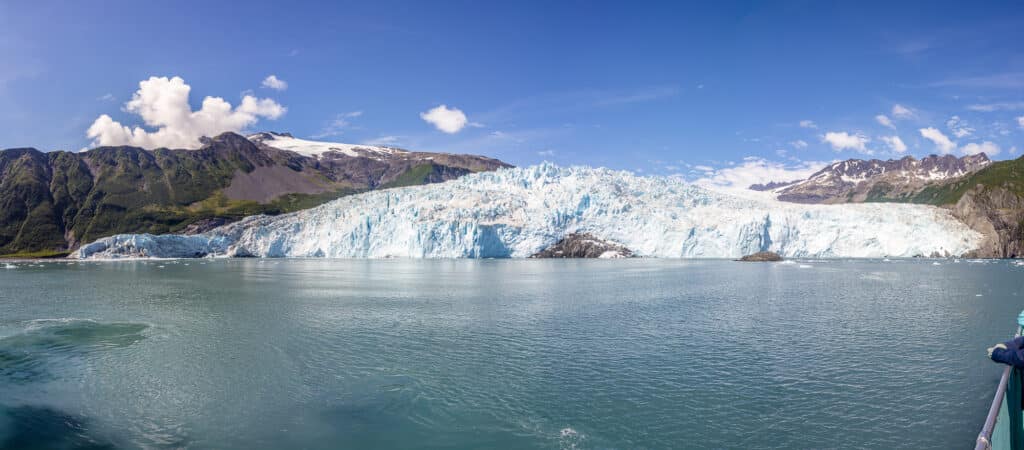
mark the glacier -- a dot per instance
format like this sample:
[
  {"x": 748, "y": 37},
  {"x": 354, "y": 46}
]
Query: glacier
[{"x": 519, "y": 211}]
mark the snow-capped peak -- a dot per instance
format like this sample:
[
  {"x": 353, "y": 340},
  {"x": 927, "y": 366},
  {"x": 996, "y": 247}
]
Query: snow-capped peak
[{"x": 285, "y": 141}]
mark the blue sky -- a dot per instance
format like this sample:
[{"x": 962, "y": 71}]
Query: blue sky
[{"x": 670, "y": 88}]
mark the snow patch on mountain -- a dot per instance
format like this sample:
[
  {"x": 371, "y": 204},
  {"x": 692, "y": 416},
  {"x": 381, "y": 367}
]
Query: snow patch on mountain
[
  {"x": 518, "y": 212},
  {"x": 305, "y": 147}
]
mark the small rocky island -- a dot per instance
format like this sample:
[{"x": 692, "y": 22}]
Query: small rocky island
[
  {"x": 584, "y": 245},
  {"x": 761, "y": 257}
]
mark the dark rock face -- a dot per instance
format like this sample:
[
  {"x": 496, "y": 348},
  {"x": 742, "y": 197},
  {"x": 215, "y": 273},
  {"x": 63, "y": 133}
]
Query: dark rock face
[
  {"x": 998, "y": 214},
  {"x": 584, "y": 245},
  {"x": 762, "y": 257},
  {"x": 59, "y": 200},
  {"x": 858, "y": 180}
]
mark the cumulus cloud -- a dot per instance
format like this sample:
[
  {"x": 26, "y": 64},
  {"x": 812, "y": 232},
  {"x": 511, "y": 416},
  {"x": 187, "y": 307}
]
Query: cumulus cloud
[
  {"x": 448, "y": 120},
  {"x": 884, "y": 121},
  {"x": 755, "y": 170},
  {"x": 275, "y": 83},
  {"x": 988, "y": 147},
  {"x": 942, "y": 143},
  {"x": 958, "y": 127},
  {"x": 808, "y": 124},
  {"x": 841, "y": 140},
  {"x": 162, "y": 104},
  {"x": 895, "y": 143},
  {"x": 902, "y": 112},
  {"x": 1020, "y": 121}
]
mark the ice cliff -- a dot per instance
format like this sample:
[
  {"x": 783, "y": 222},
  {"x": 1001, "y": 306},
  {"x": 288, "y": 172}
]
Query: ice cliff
[{"x": 518, "y": 212}]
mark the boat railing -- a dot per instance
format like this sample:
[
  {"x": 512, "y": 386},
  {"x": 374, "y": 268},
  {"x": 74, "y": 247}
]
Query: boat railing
[{"x": 1003, "y": 426}]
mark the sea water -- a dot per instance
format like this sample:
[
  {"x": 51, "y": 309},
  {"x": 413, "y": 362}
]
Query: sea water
[{"x": 640, "y": 353}]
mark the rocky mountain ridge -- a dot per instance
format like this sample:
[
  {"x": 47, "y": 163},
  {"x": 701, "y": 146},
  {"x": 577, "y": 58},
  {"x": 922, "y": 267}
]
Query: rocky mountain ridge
[{"x": 858, "y": 180}]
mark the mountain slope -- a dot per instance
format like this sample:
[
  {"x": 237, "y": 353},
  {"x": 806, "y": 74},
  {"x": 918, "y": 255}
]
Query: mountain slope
[
  {"x": 51, "y": 202},
  {"x": 520, "y": 212},
  {"x": 857, "y": 180}
]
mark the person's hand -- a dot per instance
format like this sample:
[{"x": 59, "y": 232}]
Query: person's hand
[{"x": 992, "y": 349}]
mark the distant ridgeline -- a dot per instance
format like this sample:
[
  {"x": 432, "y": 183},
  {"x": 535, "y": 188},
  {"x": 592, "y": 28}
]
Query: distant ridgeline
[
  {"x": 986, "y": 195},
  {"x": 53, "y": 202}
]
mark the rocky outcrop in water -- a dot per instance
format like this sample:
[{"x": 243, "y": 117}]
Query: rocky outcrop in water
[
  {"x": 584, "y": 245},
  {"x": 761, "y": 257}
]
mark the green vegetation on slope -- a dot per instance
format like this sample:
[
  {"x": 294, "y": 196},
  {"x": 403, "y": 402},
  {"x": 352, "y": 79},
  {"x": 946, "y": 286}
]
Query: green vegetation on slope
[{"x": 1007, "y": 175}]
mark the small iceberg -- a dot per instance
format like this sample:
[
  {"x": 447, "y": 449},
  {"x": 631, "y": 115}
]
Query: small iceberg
[
  {"x": 10, "y": 266},
  {"x": 936, "y": 263}
]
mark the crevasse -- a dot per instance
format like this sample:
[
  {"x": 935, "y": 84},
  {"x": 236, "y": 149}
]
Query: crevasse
[{"x": 518, "y": 212}]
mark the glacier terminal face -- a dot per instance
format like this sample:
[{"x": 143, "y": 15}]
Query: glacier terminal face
[{"x": 518, "y": 212}]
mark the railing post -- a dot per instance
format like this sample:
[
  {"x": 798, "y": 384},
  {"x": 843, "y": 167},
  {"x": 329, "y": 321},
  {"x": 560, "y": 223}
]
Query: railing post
[{"x": 1013, "y": 407}]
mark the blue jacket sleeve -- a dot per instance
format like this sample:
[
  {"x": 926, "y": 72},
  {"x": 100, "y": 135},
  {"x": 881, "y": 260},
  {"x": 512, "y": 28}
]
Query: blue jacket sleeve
[{"x": 1012, "y": 355}]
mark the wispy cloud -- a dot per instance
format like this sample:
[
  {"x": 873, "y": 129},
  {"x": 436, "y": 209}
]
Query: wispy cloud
[
  {"x": 808, "y": 124},
  {"x": 895, "y": 143},
  {"x": 959, "y": 127},
  {"x": 572, "y": 101},
  {"x": 997, "y": 106},
  {"x": 942, "y": 143},
  {"x": 756, "y": 170},
  {"x": 642, "y": 95},
  {"x": 383, "y": 141},
  {"x": 885, "y": 121},
  {"x": 338, "y": 125},
  {"x": 902, "y": 112},
  {"x": 1009, "y": 80}
]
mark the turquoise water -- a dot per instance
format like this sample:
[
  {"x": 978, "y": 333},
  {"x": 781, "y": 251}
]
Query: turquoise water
[{"x": 500, "y": 353}]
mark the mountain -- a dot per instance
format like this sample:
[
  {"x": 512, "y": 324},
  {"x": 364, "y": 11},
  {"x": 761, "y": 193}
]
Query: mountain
[
  {"x": 51, "y": 202},
  {"x": 522, "y": 211},
  {"x": 857, "y": 180},
  {"x": 986, "y": 195}
]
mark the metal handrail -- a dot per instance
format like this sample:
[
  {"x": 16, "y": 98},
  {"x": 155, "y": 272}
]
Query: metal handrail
[{"x": 984, "y": 441}]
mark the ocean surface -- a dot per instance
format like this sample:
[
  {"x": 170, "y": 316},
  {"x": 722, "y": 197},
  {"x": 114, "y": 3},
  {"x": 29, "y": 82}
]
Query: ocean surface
[{"x": 472, "y": 354}]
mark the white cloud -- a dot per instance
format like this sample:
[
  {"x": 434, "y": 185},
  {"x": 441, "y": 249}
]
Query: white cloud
[
  {"x": 841, "y": 140},
  {"x": 107, "y": 98},
  {"x": 988, "y": 147},
  {"x": 338, "y": 125},
  {"x": 902, "y": 112},
  {"x": 808, "y": 124},
  {"x": 755, "y": 170},
  {"x": 162, "y": 103},
  {"x": 799, "y": 143},
  {"x": 703, "y": 168},
  {"x": 885, "y": 121},
  {"x": 895, "y": 143},
  {"x": 1001, "y": 106},
  {"x": 958, "y": 127},
  {"x": 546, "y": 153},
  {"x": 275, "y": 83},
  {"x": 1020, "y": 121},
  {"x": 942, "y": 143},
  {"x": 383, "y": 141},
  {"x": 448, "y": 120}
]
